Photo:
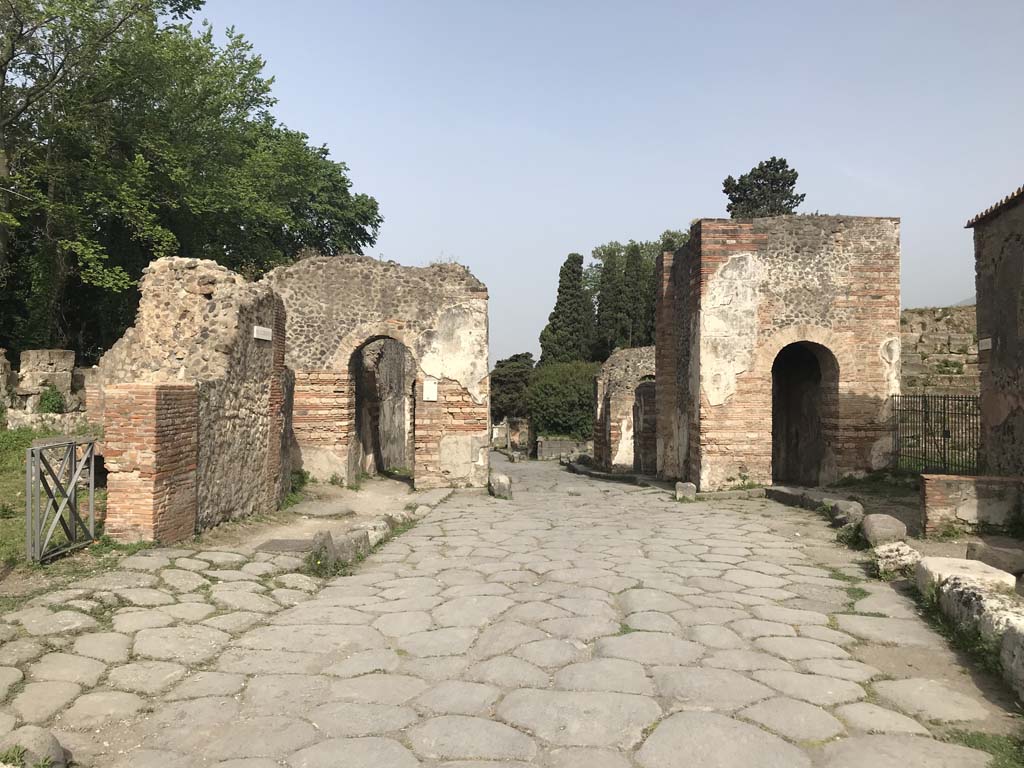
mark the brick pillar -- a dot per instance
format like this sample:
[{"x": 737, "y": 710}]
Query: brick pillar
[
  {"x": 276, "y": 436},
  {"x": 151, "y": 448},
  {"x": 665, "y": 364}
]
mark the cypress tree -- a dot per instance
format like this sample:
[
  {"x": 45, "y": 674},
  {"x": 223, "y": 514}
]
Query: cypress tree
[{"x": 566, "y": 337}]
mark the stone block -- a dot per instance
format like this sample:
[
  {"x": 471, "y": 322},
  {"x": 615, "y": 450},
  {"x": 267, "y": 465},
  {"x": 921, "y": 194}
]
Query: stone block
[
  {"x": 845, "y": 512},
  {"x": 896, "y": 558},
  {"x": 882, "y": 529},
  {"x": 1009, "y": 559},
  {"x": 1011, "y": 655},
  {"x": 41, "y": 747},
  {"x": 324, "y": 551},
  {"x": 500, "y": 485},
  {"x": 932, "y": 572},
  {"x": 686, "y": 492}
]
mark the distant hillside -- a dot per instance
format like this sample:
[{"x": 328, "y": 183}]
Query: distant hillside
[{"x": 965, "y": 302}]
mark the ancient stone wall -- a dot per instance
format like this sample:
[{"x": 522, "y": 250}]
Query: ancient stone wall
[
  {"x": 335, "y": 305},
  {"x": 617, "y": 432},
  {"x": 969, "y": 503},
  {"x": 939, "y": 351},
  {"x": 736, "y": 295},
  {"x": 196, "y": 325},
  {"x": 999, "y": 282}
]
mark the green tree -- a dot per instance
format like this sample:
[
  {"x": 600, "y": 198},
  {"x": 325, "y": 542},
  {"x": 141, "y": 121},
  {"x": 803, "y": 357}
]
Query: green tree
[
  {"x": 560, "y": 399},
  {"x": 768, "y": 189},
  {"x": 567, "y": 335},
  {"x": 509, "y": 381},
  {"x": 144, "y": 138}
]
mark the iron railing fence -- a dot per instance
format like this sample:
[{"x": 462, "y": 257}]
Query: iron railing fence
[
  {"x": 940, "y": 434},
  {"x": 60, "y": 473}
]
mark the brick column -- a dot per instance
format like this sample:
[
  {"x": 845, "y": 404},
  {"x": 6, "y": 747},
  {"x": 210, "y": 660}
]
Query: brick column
[{"x": 151, "y": 448}]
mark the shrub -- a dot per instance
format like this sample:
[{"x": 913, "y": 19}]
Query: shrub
[
  {"x": 560, "y": 399},
  {"x": 51, "y": 400}
]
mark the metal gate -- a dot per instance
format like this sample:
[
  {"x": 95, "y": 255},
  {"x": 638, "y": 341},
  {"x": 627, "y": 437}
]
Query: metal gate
[
  {"x": 57, "y": 472},
  {"x": 937, "y": 433}
]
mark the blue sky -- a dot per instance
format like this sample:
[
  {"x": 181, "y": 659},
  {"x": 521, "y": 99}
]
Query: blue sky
[{"x": 505, "y": 135}]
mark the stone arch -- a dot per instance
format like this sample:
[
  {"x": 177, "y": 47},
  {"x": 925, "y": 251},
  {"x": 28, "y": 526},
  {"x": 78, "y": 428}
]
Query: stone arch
[{"x": 805, "y": 403}]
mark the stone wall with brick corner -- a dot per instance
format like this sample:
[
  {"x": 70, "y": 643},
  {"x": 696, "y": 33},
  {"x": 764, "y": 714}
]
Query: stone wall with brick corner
[
  {"x": 939, "y": 351},
  {"x": 335, "y": 305},
  {"x": 151, "y": 450},
  {"x": 970, "y": 503},
  {"x": 738, "y": 294},
  {"x": 553, "y": 448},
  {"x": 195, "y": 326},
  {"x": 999, "y": 284},
  {"x": 616, "y": 433}
]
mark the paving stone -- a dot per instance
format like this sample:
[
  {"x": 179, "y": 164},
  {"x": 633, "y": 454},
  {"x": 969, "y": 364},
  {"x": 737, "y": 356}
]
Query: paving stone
[
  {"x": 584, "y": 719},
  {"x": 713, "y": 741},
  {"x": 192, "y": 644},
  {"x": 364, "y": 662},
  {"x": 17, "y": 652},
  {"x": 130, "y": 622},
  {"x": 38, "y": 702},
  {"x": 41, "y": 621},
  {"x": 714, "y": 636},
  {"x": 289, "y": 597},
  {"x": 9, "y": 677},
  {"x": 189, "y": 611},
  {"x": 181, "y": 580},
  {"x": 298, "y": 581},
  {"x": 794, "y": 720},
  {"x": 93, "y": 710},
  {"x": 788, "y": 615},
  {"x": 111, "y": 647},
  {"x": 239, "y": 600},
  {"x": 900, "y": 752},
  {"x": 406, "y": 623},
  {"x": 503, "y": 637},
  {"x": 260, "y": 568},
  {"x": 616, "y": 675},
  {"x": 930, "y": 700},
  {"x": 39, "y": 747},
  {"x": 583, "y": 628},
  {"x": 650, "y": 648},
  {"x": 233, "y": 623},
  {"x": 229, "y": 575},
  {"x": 508, "y": 672},
  {"x": 845, "y": 669},
  {"x": 890, "y": 603},
  {"x": 318, "y": 612},
  {"x": 816, "y": 689},
  {"x": 220, "y": 558},
  {"x": 711, "y": 689},
  {"x": 378, "y": 688},
  {"x": 372, "y": 752},
  {"x": 145, "y": 597},
  {"x": 68, "y": 668},
  {"x": 709, "y": 615},
  {"x": 7, "y": 723},
  {"x": 115, "y": 581},
  {"x": 872, "y": 718},
  {"x": 285, "y": 693},
  {"x": 254, "y": 662},
  {"x": 884, "y": 631},
  {"x": 586, "y": 757},
  {"x": 798, "y": 648},
  {"x": 457, "y": 737},
  {"x": 448, "y": 641},
  {"x": 551, "y": 652},
  {"x": 144, "y": 562},
  {"x": 147, "y": 677},
  {"x": 826, "y": 635},
  {"x": 272, "y": 736},
  {"x": 651, "y": 621},
  {"x": 202, "y": 684},
  {"x": 456, "y": 697},
  {"x": 751, "y": 629},
  {"x": 348, "y": 719},
  {"x": 753, "y": 579},
  {"x": 744, "y": 661},
  {"x": 191, "y": 564}
]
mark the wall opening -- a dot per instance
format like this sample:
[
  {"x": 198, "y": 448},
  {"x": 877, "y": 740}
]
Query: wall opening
[
  {"x": 383, "y": 437},
  {"x": 645, "y": 438},
  {"x": 805, "y": 380}
]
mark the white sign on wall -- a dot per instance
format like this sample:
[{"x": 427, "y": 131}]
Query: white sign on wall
[
  {"x": 984, "y": 345},
  {"x": 430, "y": 390},
  {"x": 262, "y": 332}
]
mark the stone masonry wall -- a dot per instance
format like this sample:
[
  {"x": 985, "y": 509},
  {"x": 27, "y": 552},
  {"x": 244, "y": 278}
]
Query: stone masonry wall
[
  {"x": 939, "y": 351},
  {"x": 334, "y": 306},
  {"x": 615, "y": 403},
  {"x": 741, "y": 291},
  {"x": 969, "y": 502},
  {"x": 999, "y": 278},
  {"x": 195, "y": 326},
  {"x": 151, "y": 449}
]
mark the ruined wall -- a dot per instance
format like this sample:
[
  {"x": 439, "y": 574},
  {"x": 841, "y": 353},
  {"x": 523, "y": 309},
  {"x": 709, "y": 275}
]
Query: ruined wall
[
  {"x": 616, "y": 430},
  {"x": 195, "y": 326},
  {"x": 939, "y": 351},
  {"x": 999, "y": 279},
  {"x": 742, "y": 290},
  {"x": 337, "y": 304}
]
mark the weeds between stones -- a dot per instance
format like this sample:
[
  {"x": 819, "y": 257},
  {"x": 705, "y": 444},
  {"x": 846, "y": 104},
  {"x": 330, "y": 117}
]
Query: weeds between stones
[
  {"x": 1007, "y": 751},
  {"x": 966, "y": 640}
]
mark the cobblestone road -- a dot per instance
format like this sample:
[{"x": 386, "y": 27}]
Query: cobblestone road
[{"x": 581, "y": 625}]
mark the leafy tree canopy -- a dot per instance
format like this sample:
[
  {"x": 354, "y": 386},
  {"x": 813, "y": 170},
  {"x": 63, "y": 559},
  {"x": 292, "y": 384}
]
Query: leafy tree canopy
[
  {"x": 127, "y": 134},
  {"x": 768, "y": 189},
  {"x": 559, "y": 399},
  {"x": 509, "y": 380}
]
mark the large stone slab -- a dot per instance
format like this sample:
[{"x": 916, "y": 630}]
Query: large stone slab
[
  {"x": 931, "y": 572},
  {"x": 190, "y": 645},
  {"x": 457, "y": 737},
  {"x": 650, "y": 648},
  {"x": 885, "y": 631},
  {"x": 901, "y": 752},
  {"x": 930, "y": 700}
]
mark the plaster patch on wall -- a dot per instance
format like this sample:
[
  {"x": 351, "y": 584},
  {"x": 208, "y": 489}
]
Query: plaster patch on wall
[
  {"x": 728, "y": 325},
  {"x": 457, "y": 348},
  {"x": 624, "y": 453}
]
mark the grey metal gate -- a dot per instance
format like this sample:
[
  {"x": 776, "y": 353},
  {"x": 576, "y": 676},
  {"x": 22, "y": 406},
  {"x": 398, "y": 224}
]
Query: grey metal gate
[
  {"x": 937, "y": 433},
  {"x": 57, "y": 471}
]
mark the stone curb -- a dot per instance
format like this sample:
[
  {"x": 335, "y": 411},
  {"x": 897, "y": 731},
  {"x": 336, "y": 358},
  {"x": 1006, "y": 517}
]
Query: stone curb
[
  {"x": 843, "y": 512},
  {"x": 616, "y": 477},
  {"x": 984, "y": 604}
]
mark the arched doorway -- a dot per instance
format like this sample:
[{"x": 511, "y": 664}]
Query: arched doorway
[
  {"x": 805, "y": 379},
  {"x": 383, "y": 375}
]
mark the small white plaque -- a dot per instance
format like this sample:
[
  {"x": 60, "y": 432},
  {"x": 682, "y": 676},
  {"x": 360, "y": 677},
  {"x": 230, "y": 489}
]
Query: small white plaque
[
  {"x": 262, "y": 332},
  {"x": 984, "y": 345},
  {"x": 430, "y": 390}
]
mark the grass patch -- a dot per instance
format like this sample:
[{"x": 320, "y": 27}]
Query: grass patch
[
  {"x": 886, "y": 483},
  {"x": 315, "y": 565},
  {"x": 13, "y": 756},
  {"x": 625, "y": 629},
  {"x": 852, "y": 537},
  {"x": 1006, "y": 751},
  {"x": 296, "y": 488},
  {"x": 838, "y": 575},
  {"x": 968, "y": 641}
]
